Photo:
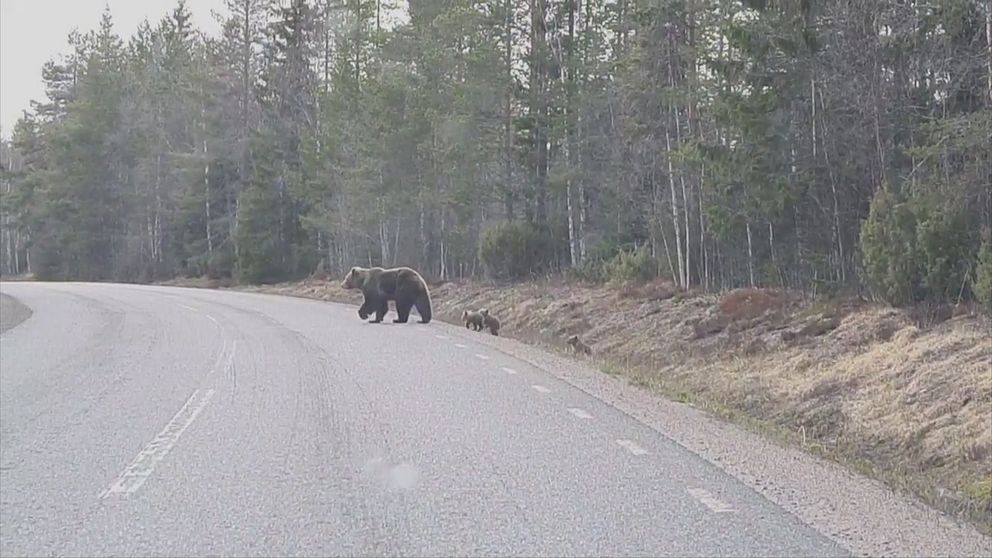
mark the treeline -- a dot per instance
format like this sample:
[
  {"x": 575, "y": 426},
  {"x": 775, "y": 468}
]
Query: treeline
[{"x": 811, "y": 145}]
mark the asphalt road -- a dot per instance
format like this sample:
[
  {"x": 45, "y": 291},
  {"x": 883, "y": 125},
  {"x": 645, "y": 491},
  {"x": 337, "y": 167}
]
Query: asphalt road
[{"x": 160, "y": 421}]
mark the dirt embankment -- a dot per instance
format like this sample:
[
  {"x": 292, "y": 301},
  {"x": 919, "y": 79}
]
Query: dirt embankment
[{"x": 856, "y": 382}]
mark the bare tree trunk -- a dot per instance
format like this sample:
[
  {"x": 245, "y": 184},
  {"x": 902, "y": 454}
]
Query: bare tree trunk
[
  {"x": 444, "y": 256},
  {"x": 396, "y": 242},
  {"x": 323, "y": 264},
  {"x": 383, "y": 237},
  {"x": 622, "y": 24},
  {"x": 245, "y": 153},
  {"x": 335, "y": 259},
  {"x": 582, "y": 222},
  {"x": 988, "y": 46},
  {"x": 694, "y": 132},
  {"x": 684, "y": 258},
  {"x": 150, "y": 232},
  {"x": 17, "y": 253},
  {"x": 508, "y": 114},
  {"x": 358, "y": 44},
  {"x": 883, "y": 169},
  {"x": 681, "y": 280},
  {"x": 571, "y": 149},
  {"x": 424, "y": 244},
  {"x": 685, "y": 207},
  {"x": 771, "y": 249},
  {"x": 702, "y": 230},
  {"x": 539, "y": 106},
  {"x": 157, "y": 234},
  {"x": 346, "y": 252},
  {"x": 812, "y": 92},
  {"x": 750, "y": 254},
  {"x": 11, "y": 265},
  {"x": 668, "y": 253},
  {"x": 573, "y": 241},
  {"x": 206, "y": 195},
  {"x": 5, "y": 226},
  {"x": 578, "y": 123},
  {"x": 837, "y": 231},
  {"x": 326, "y": 31}
]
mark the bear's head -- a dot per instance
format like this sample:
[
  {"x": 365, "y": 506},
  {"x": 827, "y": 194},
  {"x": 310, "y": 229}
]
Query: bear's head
[{"x": 355, "y": 278}]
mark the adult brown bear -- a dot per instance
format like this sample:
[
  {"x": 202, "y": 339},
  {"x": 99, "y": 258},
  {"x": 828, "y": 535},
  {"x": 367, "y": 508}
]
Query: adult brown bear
[{"x": 400, "y": 284}]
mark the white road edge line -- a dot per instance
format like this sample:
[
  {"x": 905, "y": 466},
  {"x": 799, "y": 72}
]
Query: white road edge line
[
  {"x": 509, "y": 371},
  {"x": 143, "y": 465},
  {"x": 632, "y": 447},
  {"x": 482, "y": 357},
  {"x": 579, "y": 413},
  {"x": 710, "y": 501},
  {"x": 540, "y": 389}
]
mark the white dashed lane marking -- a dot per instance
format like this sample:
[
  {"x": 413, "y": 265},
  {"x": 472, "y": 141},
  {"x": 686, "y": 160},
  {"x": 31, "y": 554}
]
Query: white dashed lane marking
[
  {"x": 439, "y": 336},
  {"x": 710, "y": 501},
  {"x": 540, "y": 389},
  {"x": 632, "y": 447},
  {"x": 155, "y": 451},
  {"x": 509, "y": 371},
  {"x": 482, "y": 357},
  {"x": 460, "y": 346},
  {"x": 579, "y": 413},
  {"x": 190, "y": 308}
]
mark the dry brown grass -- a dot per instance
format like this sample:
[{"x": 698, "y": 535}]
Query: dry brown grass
[
  {"x": 199, "y": 282},
  {"x": 15, "y": 278},
  {"x": 742, "y": 304},
  {"x": 856, "y": 382}
]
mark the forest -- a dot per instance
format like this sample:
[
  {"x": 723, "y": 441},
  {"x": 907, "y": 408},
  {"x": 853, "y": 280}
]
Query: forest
[{"x": 823, "y": 146}]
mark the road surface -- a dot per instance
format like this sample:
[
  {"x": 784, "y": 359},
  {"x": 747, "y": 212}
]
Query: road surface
[{"x": 161, "y": 421}]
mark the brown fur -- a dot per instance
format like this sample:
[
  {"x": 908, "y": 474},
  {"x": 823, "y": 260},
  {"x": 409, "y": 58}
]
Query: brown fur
[
  {"x": 473, "y": 319},
  {"x": 489, "y": 321},
  {"x": 578, "y": 346},
  {"x": 402, "y": 285}
]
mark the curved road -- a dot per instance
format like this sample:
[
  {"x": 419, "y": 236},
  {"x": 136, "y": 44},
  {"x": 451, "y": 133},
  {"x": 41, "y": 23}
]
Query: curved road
[{"x": 160, "y": 421}]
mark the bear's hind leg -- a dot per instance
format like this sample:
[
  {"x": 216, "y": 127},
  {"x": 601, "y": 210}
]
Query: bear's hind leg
[{"x": 403, "y": 311}]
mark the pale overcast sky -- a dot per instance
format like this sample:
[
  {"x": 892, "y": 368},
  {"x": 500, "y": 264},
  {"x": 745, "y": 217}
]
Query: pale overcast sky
[{"x": 34, "y": 31}]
